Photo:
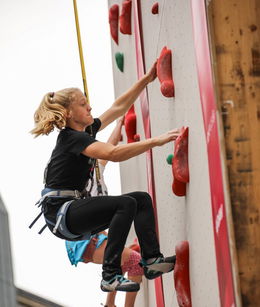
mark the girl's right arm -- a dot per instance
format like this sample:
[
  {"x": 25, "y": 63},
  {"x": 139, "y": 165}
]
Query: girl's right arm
[
  {"x": 124, "y": 102},
  {"x": 105, "y": 151}
]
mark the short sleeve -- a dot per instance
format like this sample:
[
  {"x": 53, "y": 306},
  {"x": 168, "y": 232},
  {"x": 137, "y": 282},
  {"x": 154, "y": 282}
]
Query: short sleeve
[{"x": 75, "y": 141}]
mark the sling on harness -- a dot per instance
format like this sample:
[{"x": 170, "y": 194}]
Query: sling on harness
[{"x": 89, "y": 186}]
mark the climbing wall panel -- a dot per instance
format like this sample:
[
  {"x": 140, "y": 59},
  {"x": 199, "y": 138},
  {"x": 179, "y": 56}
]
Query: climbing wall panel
[
  {"x": 132, "y": 172},
  {"x": 180, "y": 218}
]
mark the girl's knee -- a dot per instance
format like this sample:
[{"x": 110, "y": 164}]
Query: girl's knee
[
  {"x": 141, "y": 197},
  {"x": 146, "y": 197},
  {"x": 144, "y": 201},
  {"x": 128, "y": 204}
]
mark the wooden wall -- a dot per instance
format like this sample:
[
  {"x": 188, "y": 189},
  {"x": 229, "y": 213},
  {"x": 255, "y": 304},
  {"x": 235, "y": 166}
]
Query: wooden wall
[{"x": 235, "y": 37}]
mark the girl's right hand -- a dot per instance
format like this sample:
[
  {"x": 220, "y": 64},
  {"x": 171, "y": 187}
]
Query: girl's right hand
[
  {"x": 152, "y": 73},
  {"x": 167, "y": 137}
]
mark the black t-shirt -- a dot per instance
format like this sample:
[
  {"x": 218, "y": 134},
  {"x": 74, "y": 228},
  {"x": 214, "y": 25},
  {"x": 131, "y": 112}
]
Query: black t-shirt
[{"x": 68, "y": 168}]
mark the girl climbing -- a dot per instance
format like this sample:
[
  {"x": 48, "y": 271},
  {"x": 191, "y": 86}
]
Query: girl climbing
[
  {"x": 93, "y": 250},
  {"x": 72, "y": 215}
]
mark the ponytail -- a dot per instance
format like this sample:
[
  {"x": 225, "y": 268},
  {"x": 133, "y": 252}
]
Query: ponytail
[{"x": 52, "y": 111}]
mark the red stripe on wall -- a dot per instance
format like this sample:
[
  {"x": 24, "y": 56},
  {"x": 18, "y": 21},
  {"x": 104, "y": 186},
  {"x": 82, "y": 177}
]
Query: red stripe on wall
[
  {"x": 147, "y": 131},
  {"x": 225, "y": 280}
]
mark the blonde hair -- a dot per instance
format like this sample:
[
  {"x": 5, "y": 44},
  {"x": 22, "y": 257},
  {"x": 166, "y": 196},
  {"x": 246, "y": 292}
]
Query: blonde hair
[{"x": 52, "y": 111}]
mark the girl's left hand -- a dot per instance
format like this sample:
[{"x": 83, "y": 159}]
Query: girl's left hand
[{"x": 152, "y": 73}]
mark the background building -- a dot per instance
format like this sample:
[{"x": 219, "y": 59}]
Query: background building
[
  {"x": 7, "y": 288},
  {"x": 9, "y": 295}
]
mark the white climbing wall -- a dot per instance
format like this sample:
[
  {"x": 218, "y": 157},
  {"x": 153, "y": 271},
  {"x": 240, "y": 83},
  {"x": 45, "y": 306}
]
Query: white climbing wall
[{"x": 180, "y": 218}]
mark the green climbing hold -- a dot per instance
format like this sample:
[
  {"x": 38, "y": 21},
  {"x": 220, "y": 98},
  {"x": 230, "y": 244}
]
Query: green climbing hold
[
  {"x": 169, "y": 159},
  {"x": 120, "y": 61}
]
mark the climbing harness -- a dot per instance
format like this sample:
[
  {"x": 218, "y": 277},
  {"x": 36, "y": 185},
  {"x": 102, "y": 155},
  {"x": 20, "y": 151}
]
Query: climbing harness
[{"x": 60, "y": 224}]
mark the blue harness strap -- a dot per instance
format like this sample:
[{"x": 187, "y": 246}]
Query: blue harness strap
[{"x": 61, "y": 224}]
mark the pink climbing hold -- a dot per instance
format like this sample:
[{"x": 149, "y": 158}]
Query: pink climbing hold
[
  {"x": 164, "y": 72},
  {"x": 182, "y": 274},
  {"x": 125, "y": 17},
  {"x": 130, "y": 126},
  {"x": 113, "y": 22},
  {"x": 155, "y": 8}
]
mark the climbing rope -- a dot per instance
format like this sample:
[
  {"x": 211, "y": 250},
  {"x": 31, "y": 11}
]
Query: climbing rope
[
  {"x": 83, "y": 72},
  {"x": 82, "y": 64}
]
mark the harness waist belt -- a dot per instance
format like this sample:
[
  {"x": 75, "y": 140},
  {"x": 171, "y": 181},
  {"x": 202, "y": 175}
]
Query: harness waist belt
[{"x": 62, "y": 193}]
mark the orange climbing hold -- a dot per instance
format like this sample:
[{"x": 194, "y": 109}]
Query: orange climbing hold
[
  {"x": 164, "y": 72},
  {"x": 155, "y": 8},
  {"x": 130, "y": 126},
  {"x": 182, "y": 274},
  {"x": 125, "y": 17},
  {"x": 113, "y": 22}
]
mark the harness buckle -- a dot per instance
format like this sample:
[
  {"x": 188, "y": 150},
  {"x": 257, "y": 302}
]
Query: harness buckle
[{"x": 77, "y": 194}]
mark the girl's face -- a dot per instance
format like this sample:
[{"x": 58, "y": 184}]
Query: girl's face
[{"x": 79, "y": 111}]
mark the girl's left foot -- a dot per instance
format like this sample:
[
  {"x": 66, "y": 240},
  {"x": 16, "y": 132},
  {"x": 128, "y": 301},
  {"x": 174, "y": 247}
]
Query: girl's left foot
[{"x": 158, "y": 266}]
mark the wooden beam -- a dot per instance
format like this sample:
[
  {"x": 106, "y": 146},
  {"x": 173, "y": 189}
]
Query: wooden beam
[{"x": 236, "y": 36}]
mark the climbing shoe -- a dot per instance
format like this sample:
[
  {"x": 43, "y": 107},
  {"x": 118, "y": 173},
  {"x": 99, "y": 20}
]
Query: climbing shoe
[
  {"x": 119, "y": 283},
  {"x": 158, "y": 266}
]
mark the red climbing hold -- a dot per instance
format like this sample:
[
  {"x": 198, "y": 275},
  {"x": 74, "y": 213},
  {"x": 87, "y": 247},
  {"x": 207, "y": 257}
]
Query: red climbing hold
[
  {"x": 113, "y": 21},
  {"x": 155, "y": 8},
  {"x": 182, "y": 274},
  {"x": 130, "y": 126},
  {"x": 180, "y": 166},
  {"x": 125, "y": 17},
  {"x": 178, "y": 187},
  {"x": 164, "y": 72},
  {"x": 137, "y": 137}
]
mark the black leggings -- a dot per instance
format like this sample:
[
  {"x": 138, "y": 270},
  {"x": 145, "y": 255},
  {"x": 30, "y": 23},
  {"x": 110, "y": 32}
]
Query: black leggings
[{"x": 116, "y": 213}]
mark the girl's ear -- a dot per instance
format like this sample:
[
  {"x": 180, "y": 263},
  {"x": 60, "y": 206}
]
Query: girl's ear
[{"x": 68, "y": 114}]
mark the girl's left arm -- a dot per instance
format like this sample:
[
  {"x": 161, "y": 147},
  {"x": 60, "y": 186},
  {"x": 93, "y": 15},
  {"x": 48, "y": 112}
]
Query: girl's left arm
[{"x": 124, "y": 102}]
